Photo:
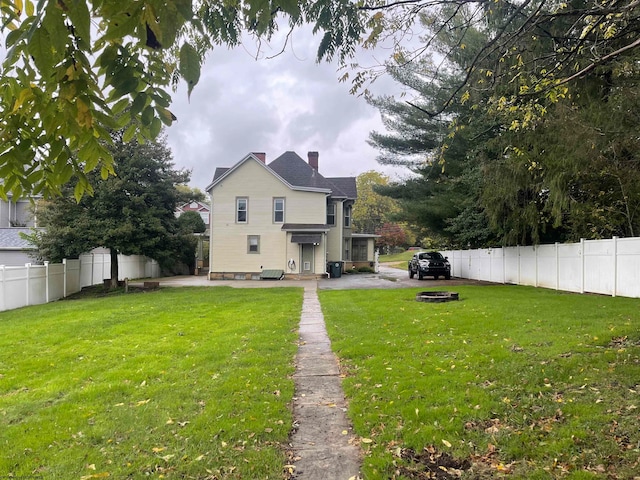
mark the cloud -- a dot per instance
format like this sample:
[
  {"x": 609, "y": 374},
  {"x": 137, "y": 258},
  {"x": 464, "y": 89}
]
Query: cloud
[{"x": 289, "y": 102}]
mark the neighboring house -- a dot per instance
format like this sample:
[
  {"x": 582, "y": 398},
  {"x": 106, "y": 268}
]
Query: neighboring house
[
  {"x": 282, "y": 217},
  {"x": 201, "y": 208},
  {"x": 15, "y": 218}
]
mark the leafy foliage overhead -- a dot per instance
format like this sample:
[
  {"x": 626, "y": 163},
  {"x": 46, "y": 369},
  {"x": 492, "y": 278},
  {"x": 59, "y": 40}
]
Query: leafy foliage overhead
[
  {"x": 75, "y": 69},
  {"x": 523, "y": 152}
]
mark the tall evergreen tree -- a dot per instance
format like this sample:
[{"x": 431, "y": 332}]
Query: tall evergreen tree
[{"x": 131, "y": 212}]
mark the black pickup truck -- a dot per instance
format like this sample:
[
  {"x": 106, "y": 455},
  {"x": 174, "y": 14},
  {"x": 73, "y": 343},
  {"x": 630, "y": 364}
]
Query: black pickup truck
[{"x": 427, "y": 264}]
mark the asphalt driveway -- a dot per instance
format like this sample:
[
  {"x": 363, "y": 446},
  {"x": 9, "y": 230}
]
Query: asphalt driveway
[{"x": 387, "y": 278}]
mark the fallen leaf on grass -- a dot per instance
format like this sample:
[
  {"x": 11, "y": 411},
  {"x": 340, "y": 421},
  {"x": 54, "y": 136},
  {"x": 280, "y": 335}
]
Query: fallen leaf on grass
[
  {"x": 446, "y": 443},
  {"x": 95, "y": 475},
  {"x": 366, "y": 440},
  {"x": 143, "y": 402}
]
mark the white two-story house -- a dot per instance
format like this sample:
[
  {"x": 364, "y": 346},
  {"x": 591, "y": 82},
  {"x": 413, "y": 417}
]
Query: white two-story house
[{"x": 282, "y": 217}]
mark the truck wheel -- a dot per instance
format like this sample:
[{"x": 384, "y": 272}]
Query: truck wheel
[
  {"x": 411, "y": 274},
  {"x": 420, "y": 276}
]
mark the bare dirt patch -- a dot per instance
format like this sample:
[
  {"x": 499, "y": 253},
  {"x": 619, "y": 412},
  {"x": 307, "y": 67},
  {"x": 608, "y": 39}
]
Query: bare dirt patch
[{"x": 431, "y": 464}]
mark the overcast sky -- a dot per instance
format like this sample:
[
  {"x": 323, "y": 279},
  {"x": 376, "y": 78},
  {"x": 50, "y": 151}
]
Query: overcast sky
[{"x": 290, "y": 102}]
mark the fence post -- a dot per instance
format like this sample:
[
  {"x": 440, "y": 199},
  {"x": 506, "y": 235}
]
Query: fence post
[
  {"x": 4, "y": 288},
  {"x": 46, "y": 282},
  {"x": 583, "y": 262},
  {"x": 535, "y": 257},
  {"x": 28, "y": 266},
  {"x": 518, "y": 258},
  {"x": 64, "y": 276},
  {"x": 615, "y": 266},
  {"x": 557, "y": 266}
]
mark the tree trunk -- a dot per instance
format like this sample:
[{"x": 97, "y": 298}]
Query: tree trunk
[{"x": 114, "y": 268}]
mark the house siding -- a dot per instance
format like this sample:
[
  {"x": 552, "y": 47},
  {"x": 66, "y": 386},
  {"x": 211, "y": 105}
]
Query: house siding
[
  {"x": 15, "y": 213},
  {"x": 228, "y": 246}
]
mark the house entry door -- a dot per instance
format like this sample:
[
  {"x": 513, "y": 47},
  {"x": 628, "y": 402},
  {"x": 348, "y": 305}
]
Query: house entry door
[{"x": 307, "y": 258}]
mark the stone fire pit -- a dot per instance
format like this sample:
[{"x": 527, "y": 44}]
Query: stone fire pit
[{"x": 436, "y": 297}]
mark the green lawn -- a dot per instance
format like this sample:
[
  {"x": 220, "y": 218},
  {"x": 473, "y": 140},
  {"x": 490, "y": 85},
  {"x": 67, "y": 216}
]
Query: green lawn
[
  {"x": 398, "y": 260},
  {"x": 196, "y": 383},
  {"x": 177, "y": 383},
  {"x": 522, "y": 383}
]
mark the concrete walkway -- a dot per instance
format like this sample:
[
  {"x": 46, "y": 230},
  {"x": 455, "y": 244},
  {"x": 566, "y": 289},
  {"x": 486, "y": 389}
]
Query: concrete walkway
[{"x": 323, "y": 442}]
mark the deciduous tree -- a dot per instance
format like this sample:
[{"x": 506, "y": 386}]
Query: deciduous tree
[
  {"x": 372, "y": 210},
  {"x": 76, "y": 69}
]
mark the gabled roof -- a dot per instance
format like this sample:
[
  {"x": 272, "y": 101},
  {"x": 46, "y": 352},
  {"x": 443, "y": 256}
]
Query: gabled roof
[
  {"x": 298, "y": 175},
  {"x": 346, "y": 185},
  {"x": 10, "y": 239},
  {"x": 187, "y": 207},
  {"x": 220, "y": 171}
]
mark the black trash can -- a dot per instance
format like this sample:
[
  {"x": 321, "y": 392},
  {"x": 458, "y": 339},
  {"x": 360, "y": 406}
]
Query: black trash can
[{"x": 335, "y": 269}]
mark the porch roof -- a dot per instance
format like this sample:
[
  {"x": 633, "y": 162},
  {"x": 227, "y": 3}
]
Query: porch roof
[{"x": 314, "y": 238}]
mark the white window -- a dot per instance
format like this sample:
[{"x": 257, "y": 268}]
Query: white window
[
  {"x": 331, "y": 213},
  {"x": 253, "y": 243},
  {"x": 347, "y": 249},
  {"x": 278, "y": 210},
  {"x": 242, "y": 210},
  {"x": 347, "y": 216}
]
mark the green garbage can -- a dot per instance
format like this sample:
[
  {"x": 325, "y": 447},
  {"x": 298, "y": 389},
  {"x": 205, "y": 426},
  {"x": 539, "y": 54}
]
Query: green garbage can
[{"x": 335, "y": 269}]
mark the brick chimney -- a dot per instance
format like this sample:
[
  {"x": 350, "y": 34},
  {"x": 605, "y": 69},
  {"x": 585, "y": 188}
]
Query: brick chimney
[
  {"x": 260, "y": 156},
  {"x": 313, "y": 160}
]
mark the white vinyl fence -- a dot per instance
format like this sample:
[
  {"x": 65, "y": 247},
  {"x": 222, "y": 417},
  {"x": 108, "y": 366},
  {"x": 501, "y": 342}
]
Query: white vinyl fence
[
  {"x": 37, "y": 284},
  {"x": 609, "y": 267}
]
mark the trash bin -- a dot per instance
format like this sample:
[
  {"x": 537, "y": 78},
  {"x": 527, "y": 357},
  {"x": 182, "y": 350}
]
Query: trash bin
[{"x": 335, "y": 269}]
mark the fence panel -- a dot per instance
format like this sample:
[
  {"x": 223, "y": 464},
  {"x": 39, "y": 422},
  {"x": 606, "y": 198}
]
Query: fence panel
[
  {"x": 528, "y": 266},
  {"x": 628, "y": 267},
  {"x": 482, "y": 264},
  {"x": 37, "y": 284},
  {"x": 511, "y": 258},
  {"x": 86, "y": 270},
  {"x": 14, "y": 287},
  {"x": 496, "y": 263},
  {"x": 56, "y": 273},
  {"x": 599, "y": 266},
  {"x": 609, "y": 267},
  {"x": 547, "y": 266},
  {"x": 570, "y": 267},
  {"x": 465, "y": 264},
  {"x": 73, "y": 275},
  {"x": 14, "y": 283}
]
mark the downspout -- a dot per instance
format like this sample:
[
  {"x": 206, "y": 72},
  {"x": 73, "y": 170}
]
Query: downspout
[
  {"x": 326, "y": 260},
  {"x": 326, "y": 241}
]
